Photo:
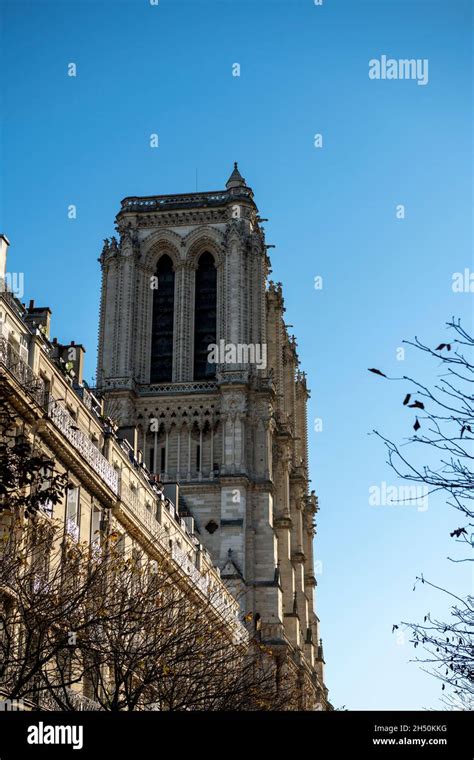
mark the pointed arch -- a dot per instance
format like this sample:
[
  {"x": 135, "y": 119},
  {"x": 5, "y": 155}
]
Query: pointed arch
[
  {"x": 205, "y": 315},
  {"x": 201, "y": 240},
  {"x": 158, "y": 242},
  {"x": 161, "y": 361}
]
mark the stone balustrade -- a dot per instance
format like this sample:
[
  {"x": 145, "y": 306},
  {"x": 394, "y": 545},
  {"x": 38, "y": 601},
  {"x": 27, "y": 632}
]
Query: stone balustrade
[
  {"x": 22, "y": 372},
  {"x": 68, "y": 427}
]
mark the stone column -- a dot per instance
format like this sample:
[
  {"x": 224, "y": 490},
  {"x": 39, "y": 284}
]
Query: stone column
[
  {"x": 143, "y": 324},
  {"x": 127, "y": 306},
  {"x": 183, "y": 316}
]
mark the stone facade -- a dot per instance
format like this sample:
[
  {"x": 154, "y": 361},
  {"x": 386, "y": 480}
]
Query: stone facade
[
  {"x": 236, "y": 439},
  {"x": 111, "y": 491}
]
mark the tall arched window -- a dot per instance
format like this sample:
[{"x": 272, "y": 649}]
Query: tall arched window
[
  {"x": 205, "y": 316},
  {"x": 162, "y": 324}
]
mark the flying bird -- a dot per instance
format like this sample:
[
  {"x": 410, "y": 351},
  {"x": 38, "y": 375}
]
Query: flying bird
[
  {"x": 443, "y": 345},
  {"x": 406, "y": 399},
  {"x": 394, "y": 627},
  {"x": 377, "y": 372},
  {"x": 417, "y": 425}
]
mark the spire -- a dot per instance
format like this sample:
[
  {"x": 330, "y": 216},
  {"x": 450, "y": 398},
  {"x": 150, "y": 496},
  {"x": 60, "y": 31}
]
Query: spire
[
  {"x": 235, "y": 179},
  {"x": 320, "y": 650}
]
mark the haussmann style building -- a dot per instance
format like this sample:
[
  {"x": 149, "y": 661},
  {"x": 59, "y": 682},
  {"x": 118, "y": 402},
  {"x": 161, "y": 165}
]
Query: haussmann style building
[{"x": 109, "y": 491}]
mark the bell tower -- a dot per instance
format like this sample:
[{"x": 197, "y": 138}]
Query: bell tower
[{"x": 195, "y": 354}]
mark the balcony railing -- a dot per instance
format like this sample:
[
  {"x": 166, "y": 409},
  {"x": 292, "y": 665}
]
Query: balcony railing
[
  {"x": 72, "y": 529},
  {"x": 40, "y": 584},
  {"x": 219, "y": 598},
  {"x": 11, "y": 359},
  {"x": 96, "y": 549},
  {"x": 163, "y": 202},
  {"x": 68, "y": 427},
  {"x": 157, "y": 389},
  {"x": 143, "y": 515},
  {"x": 79, "y": 702},
  {"x": 182, "y": 559}
]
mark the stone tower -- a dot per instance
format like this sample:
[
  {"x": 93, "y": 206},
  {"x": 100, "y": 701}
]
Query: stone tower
[{"x": 198, "y": 369}]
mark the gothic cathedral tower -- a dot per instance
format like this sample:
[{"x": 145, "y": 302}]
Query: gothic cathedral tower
[{"x": 195, "y": 355}]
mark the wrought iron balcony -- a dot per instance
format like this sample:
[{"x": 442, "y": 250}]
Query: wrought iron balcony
[
  {"x": 68, "y": 427},
  {"x": 142, "y": 514},
  {"x": 218, "y": 597},
  {"x": 78, "y": 701},
  {"x": 21, "y": 371},
  {"x": 182, "y": 559},
  {"x": 96, "y": 549},
  {"x": 72, "y": 529},
  {"x": 40, "y": 584}
]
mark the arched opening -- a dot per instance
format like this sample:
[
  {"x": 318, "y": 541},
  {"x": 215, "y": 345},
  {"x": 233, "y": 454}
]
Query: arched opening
[
  {"x": 205, "y": 316},
  {"x": 161, "y": 366}
]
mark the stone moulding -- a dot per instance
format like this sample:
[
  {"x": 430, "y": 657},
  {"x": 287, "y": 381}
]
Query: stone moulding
[{"x": 161, "y": 389}]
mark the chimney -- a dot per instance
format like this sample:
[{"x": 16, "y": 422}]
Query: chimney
[
  {"x": 130, "y": 434},
  {"x": 4, "y": 244},
  {"x": 189, "y": 522},
  {"x": 40, "y": 317},
  {"x": 73, "y": 354},
  {"x": 171, "y": 492}
]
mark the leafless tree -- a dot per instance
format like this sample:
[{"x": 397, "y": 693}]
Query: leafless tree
[
  {"x": 444, "y": 433},
  {"x": 156, "y": 645},
  {"x": 46, "y": 583},
  {"x": 129, "y": 631}
]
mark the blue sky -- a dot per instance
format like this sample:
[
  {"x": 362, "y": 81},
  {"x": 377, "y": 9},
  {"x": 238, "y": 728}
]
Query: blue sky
[{"x": 167, "y": 69}]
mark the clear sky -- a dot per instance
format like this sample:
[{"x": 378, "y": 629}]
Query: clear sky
[{"x": 167, "y": 69}]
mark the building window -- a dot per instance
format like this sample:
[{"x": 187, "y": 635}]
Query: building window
[
  {"x": 72, "y": 512},
  {"x": 162, "y": 324},
  {"x": 73, "y": 504},
  {"x": 163, "y": 459},
  {"x": 45, "y": 504},
  {"x": 96, "y": 524},
  {"x": 120, "y": 545},
  {"x": 205, "y": 316}
]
